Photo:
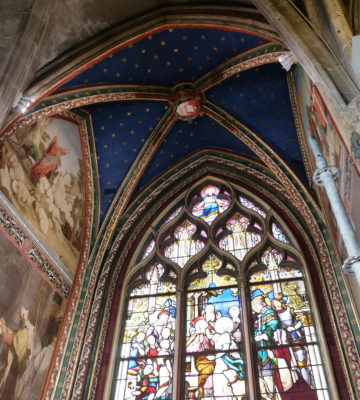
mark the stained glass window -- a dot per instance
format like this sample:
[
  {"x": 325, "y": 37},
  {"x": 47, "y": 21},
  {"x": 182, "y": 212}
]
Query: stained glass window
[
  {"x": 213, "y": 349},
  {"x": 147, "y": 352},
  {"x": 149, "y": 248},
  {"x": 252, "y": 206},
  {"x": 183, "y": 245},
  {"x": 288, "y": 354},
  {"x": 187, "y": 333},
  {"x": 278, "y": 233},
  {"x": 239, "y": 238},
  {"x": 210, "y": 203},
  {"x": 171, "y": 216}
]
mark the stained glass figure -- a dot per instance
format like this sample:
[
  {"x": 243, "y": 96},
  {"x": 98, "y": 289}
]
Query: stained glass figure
[
  {"x": 278, "y": 233},
  {"x": 145, "y": 370},
  {"x": 240, "y": 240},
  {"x": 252, "y": 206},
  {"x": 286, "y": 356},
  {"x": 211, "y": 204},
  {"x": 214, "y": 362},
  {"x": 181, "y": 250},
  {"x": 289, "y": 363}
]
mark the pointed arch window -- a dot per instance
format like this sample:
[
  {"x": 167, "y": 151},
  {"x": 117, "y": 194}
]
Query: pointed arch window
[{"x": 218, "y": 306}]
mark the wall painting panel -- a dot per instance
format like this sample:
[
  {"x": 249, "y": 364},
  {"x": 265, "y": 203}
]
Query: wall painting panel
[
  {"x": 30, "y": 315},
  {"x": 317, "y": 121},
  {"x": 41, "y": 173}
]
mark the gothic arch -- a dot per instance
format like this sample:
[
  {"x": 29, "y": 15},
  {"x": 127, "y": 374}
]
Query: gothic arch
[{"x": 107, "y": 276}]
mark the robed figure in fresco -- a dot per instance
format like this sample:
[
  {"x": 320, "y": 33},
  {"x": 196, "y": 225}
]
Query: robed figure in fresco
[
  {"x": 17, "y": 353},
  {"x": 50, "y": 161}
]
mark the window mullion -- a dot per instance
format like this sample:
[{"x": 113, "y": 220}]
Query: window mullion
[
  {"x": 248, "y": 350},
  {"x": 179, "y": 345}
]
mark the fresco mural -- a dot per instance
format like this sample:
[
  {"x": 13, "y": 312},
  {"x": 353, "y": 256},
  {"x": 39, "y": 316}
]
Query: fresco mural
[
  {"x": 318, "y": 121},
  {"x": 30, "y": 315},
  {"x": 41, "y": 173}
]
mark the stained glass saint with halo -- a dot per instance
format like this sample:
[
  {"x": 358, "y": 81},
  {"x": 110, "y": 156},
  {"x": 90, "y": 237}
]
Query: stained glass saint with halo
[
  {"x": 200, "y": 246},
  {"x": 211, "y": 204},
  {"x": 288, "y": 355}
]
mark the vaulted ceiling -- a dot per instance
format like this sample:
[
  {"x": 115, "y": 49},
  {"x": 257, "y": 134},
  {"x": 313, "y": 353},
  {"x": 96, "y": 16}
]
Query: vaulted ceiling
[
  {"x": 131, "y": 78},
  {"x": 132, "y": 93}
]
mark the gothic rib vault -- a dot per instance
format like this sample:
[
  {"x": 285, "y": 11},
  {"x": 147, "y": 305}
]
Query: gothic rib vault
[{"x": 127, "y": 86}]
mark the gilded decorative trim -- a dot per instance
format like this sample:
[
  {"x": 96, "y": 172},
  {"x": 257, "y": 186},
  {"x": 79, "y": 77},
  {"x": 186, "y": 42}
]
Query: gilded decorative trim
[
  {"x": 94, "y": 172},
  {"x": 32, "y": 249},
  {"x": 66, "y": 105},
  {"x": 298, "y": 124},
  {"x": 76, "y": 98},
  {"x": 79, "y": 97},
  {"x": 265, "y": 54}
]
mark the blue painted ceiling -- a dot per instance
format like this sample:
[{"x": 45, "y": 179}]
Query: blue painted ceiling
[
  {"x": 168, "y": 57},
  {"x": 258, "y": 98},
  {"x": 185, "y": 138}
]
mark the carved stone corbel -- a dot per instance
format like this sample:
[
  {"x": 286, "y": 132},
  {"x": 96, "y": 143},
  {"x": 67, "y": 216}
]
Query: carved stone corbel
[{"x": 287, "y": 60}]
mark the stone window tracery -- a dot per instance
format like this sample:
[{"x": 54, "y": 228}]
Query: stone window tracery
[{"x": 219, "y": 294}]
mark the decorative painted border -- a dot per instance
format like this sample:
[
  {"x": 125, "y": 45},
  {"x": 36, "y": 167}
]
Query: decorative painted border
[
  {"x": 299, "y": 126},
  {"x": 74, "y": 98},
  {"x": 264, "y": 54},
  {"x": 93, "y": 183},
  {"x": 317, "y": 245},
  {"x": 29, "y": 245}
]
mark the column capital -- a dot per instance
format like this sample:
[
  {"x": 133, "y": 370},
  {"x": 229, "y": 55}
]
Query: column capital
[
  {"x": 319, "y": 174},
  {"x": 287, "y": 60}
]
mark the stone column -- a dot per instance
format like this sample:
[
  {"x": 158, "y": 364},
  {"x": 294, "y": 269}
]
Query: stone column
[{"x": 325, "y": 176}]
